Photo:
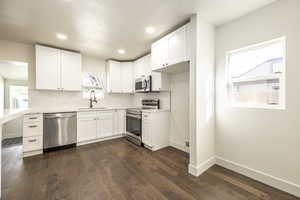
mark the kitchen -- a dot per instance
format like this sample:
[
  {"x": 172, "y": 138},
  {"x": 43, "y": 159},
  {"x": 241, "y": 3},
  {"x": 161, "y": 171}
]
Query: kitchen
[
  {"x": 127, "y": 104},
  {"x": 94, "y": 123}
]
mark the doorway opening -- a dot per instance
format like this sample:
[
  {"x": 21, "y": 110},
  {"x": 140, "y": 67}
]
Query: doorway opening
[{"x": 13, "y": 96}]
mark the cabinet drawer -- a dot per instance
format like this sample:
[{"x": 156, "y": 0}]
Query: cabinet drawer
[
  {"x": 84, "y": 115},
  {"x": 33, "y": 118},
  {"x": 32, "y": 129},
  {"x": 32, "y": 143}
]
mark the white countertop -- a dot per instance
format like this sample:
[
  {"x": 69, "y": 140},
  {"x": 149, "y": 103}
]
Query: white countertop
[
  {"x": 11, "y": 114},
  {"x": 54, "y": 110},
  {"x": 155, "y": 110}
]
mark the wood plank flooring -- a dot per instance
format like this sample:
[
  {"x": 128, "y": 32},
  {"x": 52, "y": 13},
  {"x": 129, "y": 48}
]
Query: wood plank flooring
[{"x": 119, "y": 170}]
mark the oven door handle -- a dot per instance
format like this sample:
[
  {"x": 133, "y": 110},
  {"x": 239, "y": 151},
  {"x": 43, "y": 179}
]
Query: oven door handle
[
  {"x": 133, "y": 116},
  {"x": 146, "y": 84}
]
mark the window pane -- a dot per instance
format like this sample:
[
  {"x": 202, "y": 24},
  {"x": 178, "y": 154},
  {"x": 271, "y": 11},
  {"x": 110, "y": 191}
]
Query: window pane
[
  {"x": 258, "y": 61},
  {"x": 257, "y": 93}
]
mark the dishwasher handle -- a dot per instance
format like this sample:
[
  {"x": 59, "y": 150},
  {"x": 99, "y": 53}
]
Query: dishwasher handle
[{"x": 59, "y": 115}]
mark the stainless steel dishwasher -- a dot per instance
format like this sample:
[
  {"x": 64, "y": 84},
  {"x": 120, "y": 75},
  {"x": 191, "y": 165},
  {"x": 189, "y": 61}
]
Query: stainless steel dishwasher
[{"x": 60, "y": 130}]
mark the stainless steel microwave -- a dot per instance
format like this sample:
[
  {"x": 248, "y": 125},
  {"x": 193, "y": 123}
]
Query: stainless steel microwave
[{"x": 143, "y": 84}]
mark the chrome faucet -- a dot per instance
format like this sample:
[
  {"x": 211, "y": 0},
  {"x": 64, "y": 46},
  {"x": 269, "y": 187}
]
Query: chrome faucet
[{"x": 92, "y": 98}]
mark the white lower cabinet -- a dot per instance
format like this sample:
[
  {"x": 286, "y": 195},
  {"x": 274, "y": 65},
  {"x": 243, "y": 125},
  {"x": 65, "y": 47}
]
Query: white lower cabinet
[
  {"x": 32, "y": 143},
  {"x": 95, "y": 126},
  {"x": 155, "y": 132},
  {"x": 32, "y": 134},
  {"x": 120, "y": 122},
  {"x": 105, "y": 124},
  {"x": 86, "y": 129}
]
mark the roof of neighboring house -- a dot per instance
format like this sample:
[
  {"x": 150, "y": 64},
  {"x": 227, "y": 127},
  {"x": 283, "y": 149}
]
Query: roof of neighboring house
[{"x": 273, "y": 60}]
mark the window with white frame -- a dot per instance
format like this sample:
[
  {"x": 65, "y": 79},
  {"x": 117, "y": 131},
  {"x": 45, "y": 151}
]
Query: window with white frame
[{"x": 256, "y": 75}]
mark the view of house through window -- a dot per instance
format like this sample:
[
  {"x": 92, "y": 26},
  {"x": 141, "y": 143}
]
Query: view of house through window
[
  {"x": 18, "y": 96},
  {"x": 257, "y": 75}
]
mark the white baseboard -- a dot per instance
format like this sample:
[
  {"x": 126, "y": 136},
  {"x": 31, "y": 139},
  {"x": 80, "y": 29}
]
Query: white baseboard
[
  {"x": 32, "y": 153},
  {"x": 178, "y": 146},
  {"x": 99, "y": 140},
  {"x": 200, "y": 169},
  {"x": 268, "y": 179}
]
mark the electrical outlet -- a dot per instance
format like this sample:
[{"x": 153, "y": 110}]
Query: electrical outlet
[{"x": 187, "y": 144}]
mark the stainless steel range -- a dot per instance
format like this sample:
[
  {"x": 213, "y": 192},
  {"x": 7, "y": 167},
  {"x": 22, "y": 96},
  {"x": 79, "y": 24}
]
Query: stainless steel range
[{"x": 134, "y": 120}]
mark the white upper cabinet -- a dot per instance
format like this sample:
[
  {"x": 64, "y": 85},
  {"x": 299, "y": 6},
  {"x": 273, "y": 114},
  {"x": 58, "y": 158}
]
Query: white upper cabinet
[
  {"x": 120, "y": 77},
  {"x": 142, "y": 67},
  {"x": 147, "y": 65},
  {"x": 139, "y": 68},
  {"x": 47, "y": 68},
  {"x": 176, "y": 47},
  {"x": 159, "y": 54},
  {"x": 170, "y": 50},
  {"x": 57, "y": 69},
  {"x": 127, "y": 77},
  {"x": 114, "y": 84},
  {"x": 70, "y": 71}
]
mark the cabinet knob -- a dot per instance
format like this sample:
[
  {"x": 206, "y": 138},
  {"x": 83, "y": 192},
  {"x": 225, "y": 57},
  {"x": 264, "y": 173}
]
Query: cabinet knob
[{"x": 33, "y": 140}]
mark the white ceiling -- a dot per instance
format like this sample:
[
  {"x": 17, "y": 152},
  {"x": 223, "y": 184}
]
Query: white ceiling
[
  {"x": 100, "y": 27},
  {"x": 14, "y": 70}
]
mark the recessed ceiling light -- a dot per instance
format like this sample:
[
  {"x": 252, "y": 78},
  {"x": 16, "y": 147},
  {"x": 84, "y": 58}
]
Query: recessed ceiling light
[
  {"x": 121, "y": 51},
  {"x": 150, "y": 29},
  {"x": 61, "y": 36}
]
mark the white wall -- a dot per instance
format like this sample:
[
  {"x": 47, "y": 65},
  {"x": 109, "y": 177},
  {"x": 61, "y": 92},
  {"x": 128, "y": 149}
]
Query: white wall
[
  {"x": 202, "y": 139},
  {"x": 179, "y": 116},
  {"x": 261, "y": 143},
  {"x": 1, "y": 94}
]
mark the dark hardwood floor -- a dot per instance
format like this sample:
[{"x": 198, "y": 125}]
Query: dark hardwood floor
[{"x": 120, "y": 170}]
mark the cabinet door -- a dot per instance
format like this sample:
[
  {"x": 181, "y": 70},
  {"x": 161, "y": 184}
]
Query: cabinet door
[
  {"x": 105, "y": 124},
  {"x": 120, "y": 121},
  {"x": 159, "y": 54},
  {"x": 138, "y": 68},
  {"x": 147, "y": 65},
  {"x": 114, "y": 77},
  {"x": 146, "y": 131},
  {"x": 86, "y": 129},
  {"x": 176, "y": 47},
  {"x": 127, "y": 77},
  {"x": 47, "y": 68},
  {"x": 70, "y": 71}
]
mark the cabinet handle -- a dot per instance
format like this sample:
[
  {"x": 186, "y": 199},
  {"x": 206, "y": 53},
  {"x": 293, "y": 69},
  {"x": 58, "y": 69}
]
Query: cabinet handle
[
  {"x": 32, "y": 117},
  {"x": 33, "y": 140},
  {"x": 32, "y": 126}
]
